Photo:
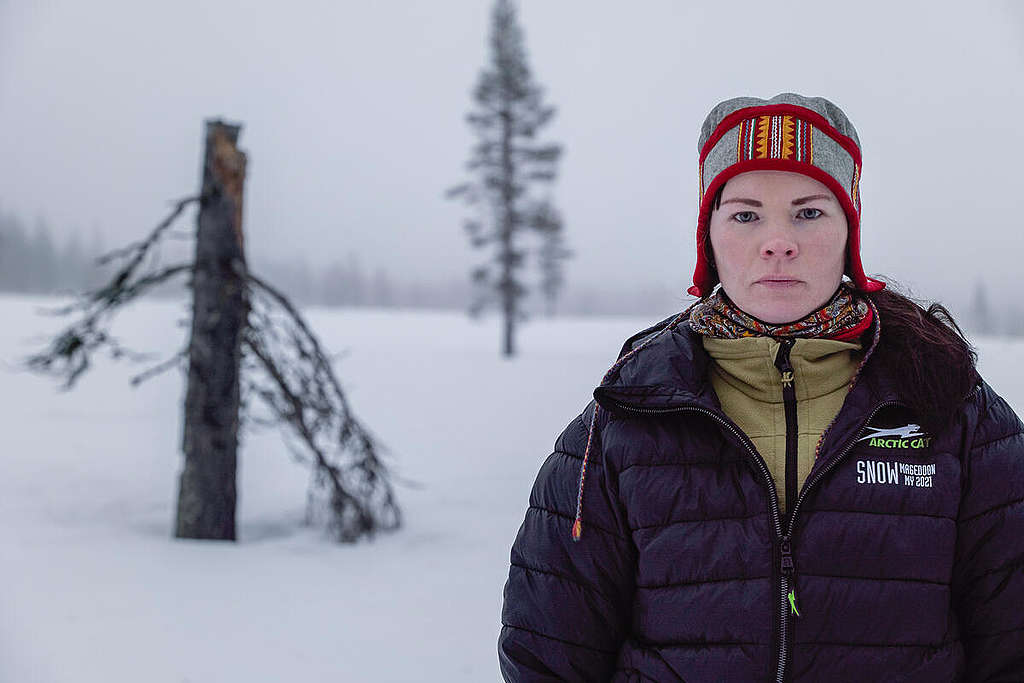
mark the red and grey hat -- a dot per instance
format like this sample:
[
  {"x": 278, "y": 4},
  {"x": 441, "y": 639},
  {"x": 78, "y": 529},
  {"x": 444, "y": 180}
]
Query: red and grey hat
[{"x": 789, "y": 132}]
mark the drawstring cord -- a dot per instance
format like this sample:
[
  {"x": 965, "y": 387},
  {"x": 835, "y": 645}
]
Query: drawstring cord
[{"x": 577, "y": 525}]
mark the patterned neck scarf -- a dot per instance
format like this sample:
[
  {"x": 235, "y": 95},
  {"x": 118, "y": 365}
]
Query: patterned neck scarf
[{"x": 845, "y": 316}]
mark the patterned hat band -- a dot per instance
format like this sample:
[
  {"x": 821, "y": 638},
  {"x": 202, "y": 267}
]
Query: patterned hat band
[
  {"x": 782, "y": 136},
  {"x": 810, "y": 136}
]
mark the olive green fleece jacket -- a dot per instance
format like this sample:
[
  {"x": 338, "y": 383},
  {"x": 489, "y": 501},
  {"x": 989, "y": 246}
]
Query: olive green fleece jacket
[{"x": 749, "y": 386}]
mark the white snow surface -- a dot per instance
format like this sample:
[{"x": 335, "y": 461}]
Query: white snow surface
[{"x": 93, "y": 588}]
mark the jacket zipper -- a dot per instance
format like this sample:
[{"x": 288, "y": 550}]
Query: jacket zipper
[
  {"x": 785, "y": 540},
  {"x": 782, "y": 362}
]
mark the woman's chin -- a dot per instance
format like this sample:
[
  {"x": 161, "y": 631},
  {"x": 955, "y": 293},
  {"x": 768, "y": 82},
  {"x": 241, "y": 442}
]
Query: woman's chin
[
  {"x": 779, "y": 312},
  {"x": 777, "y": 304}
]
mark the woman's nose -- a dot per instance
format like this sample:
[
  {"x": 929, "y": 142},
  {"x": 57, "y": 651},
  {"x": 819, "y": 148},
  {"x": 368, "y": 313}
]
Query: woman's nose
[{"x": 779, "y": 245}]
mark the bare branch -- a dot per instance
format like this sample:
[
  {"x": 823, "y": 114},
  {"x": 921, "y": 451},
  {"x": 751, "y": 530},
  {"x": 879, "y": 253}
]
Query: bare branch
[
  {"x": 177, "y": 360},
  {"x": 68, "y": 355},
  {"x": 137, "y": 250},
  {"x": 303, "y": 391}
]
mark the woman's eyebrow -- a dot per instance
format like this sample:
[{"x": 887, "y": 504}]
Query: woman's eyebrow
[
  {"x": 804, "y": 200},
  {"x": 742, "y": 200},
  {"x": 796, "y": 202}
]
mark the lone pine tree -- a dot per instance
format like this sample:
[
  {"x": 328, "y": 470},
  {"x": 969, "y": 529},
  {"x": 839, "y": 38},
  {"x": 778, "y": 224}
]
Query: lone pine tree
[{"x": 508, "y": 164}]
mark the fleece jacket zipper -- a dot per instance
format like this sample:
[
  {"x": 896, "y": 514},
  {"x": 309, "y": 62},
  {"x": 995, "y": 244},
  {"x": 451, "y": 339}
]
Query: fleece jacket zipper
[{"x": 785, "y": 367}]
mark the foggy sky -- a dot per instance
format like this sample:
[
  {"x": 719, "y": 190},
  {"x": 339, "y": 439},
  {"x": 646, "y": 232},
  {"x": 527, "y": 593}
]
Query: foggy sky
[{"x": 353, "y": 116}]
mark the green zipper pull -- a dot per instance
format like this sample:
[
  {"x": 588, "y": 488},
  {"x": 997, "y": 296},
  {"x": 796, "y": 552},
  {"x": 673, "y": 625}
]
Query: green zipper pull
[{"x": 792, "y": 602}]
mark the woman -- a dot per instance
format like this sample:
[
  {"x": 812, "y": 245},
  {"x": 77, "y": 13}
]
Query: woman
[{"x": 799, "y": 478}]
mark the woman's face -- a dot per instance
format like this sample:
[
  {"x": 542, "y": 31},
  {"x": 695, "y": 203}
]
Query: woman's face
[{"x": 779, "y": 241}]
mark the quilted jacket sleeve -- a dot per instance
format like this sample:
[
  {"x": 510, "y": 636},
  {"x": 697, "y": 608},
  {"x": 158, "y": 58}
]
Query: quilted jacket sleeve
[
  {"x": 988, "y": 580},
  {"x": 567, "y": 604}
]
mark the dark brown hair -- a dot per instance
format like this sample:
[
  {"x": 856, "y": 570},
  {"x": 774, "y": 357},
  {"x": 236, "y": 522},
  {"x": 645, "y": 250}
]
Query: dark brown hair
[
  {"x": 927, "y": 355},
  {"x": 717, "y": 199},
  {"x": 709, "y": 254}
]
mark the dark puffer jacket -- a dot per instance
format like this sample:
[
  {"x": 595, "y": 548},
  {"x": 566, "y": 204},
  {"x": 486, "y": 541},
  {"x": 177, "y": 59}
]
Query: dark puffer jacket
[{"x": 903, "y": 561}]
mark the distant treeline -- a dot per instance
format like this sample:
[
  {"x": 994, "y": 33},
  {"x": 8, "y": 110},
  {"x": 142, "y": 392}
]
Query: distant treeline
[
  {"x": 33, "y": 261},
  {"x": 348, "y": 283}
]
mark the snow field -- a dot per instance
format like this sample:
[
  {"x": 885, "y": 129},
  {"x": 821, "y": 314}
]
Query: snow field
[{"x": 93, "y": 588}]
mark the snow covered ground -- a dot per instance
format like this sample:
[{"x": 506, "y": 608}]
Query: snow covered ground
[{"x": 93, "y": 588}]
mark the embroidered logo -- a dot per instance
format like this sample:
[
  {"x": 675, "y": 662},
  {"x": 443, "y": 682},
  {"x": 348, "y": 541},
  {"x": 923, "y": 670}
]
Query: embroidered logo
[
  {"x": 898, "y": 473},
  {"x": 907, "y": 436}
]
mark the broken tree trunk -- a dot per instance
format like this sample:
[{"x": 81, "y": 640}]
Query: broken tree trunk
[{"x": 207, "y": 493}]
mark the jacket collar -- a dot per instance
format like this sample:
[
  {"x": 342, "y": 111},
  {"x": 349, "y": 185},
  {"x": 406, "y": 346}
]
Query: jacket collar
[{"x": 666, "y": 368}]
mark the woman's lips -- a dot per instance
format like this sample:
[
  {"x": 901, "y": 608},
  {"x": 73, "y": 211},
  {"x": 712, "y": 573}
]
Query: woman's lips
[{"x": 778, "y": 283}]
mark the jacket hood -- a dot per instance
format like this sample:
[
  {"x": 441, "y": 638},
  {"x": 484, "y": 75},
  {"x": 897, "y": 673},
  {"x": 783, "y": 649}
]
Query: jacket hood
[{"x": 663, "y": 366}]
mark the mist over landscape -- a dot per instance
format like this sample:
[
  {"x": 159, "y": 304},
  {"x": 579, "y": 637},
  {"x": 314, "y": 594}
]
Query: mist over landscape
[{"x": 354, "y": 124}]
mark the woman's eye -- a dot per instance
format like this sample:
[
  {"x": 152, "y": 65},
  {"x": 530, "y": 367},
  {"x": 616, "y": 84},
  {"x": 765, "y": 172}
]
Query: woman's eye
[
  {"x": 803, "y": 213},
  {"x": 744, "y": 216}
]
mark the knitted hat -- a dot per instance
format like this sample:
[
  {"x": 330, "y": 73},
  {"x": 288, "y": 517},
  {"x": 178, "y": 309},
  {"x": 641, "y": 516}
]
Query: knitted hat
[{"x": 789, "y": 132}]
